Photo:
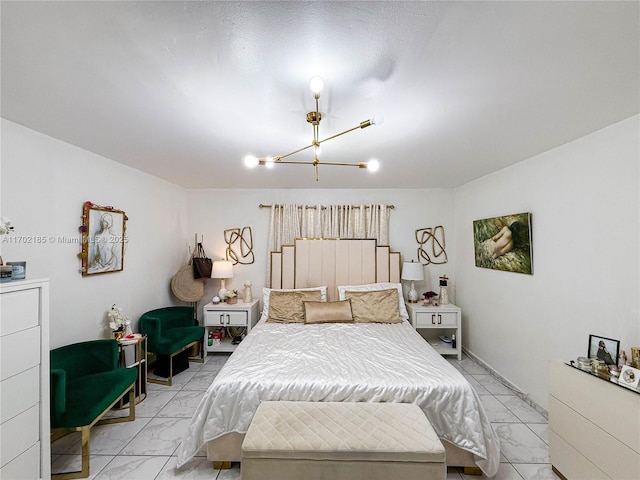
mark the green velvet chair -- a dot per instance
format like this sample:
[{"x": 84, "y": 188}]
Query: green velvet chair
[
  {"x": 86, "y": 383},
  {"x": 170, "y": 331}
]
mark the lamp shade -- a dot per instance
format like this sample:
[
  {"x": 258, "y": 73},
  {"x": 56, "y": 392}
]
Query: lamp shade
[
  {"x": 222, "y": 269},
  {"x": 411, "y": 271}
]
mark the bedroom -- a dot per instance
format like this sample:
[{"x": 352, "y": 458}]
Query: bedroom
[{"x": 582, "y": 193}]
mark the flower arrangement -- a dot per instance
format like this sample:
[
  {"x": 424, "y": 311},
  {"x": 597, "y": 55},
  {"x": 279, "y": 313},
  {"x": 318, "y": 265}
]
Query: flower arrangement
[
  {"x": 231, "y": 293},
  {"x": 5, "y": 225},
  {"x": 117, "y": 320}
]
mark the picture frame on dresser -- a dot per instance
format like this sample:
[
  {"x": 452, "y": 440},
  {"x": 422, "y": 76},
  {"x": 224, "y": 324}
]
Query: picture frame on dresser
[
  {"x": 603, "y": 348},
  {"x": 629, "y": 377}
]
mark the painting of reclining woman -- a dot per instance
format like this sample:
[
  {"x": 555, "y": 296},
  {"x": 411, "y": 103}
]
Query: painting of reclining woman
[{"x": 504, "y": 243}]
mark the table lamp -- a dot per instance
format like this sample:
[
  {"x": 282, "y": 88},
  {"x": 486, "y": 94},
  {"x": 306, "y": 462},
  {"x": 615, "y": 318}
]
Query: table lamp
[
  {"x": 222, "y": 269},
  {"x": 413, "y": 271}
]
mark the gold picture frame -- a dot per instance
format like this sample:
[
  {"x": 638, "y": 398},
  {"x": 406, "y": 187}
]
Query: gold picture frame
[{"x": 103, "y": 239}]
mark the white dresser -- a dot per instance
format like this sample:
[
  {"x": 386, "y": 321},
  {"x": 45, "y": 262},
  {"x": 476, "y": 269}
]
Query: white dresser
[
  {"x": 594, "y": 426},
  {"x": 25, "y": 451}
]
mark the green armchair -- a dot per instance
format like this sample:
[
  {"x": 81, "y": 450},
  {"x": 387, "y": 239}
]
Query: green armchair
[
  {"x": 86, "y": 383},
  {"x": 170, "y": 331}
]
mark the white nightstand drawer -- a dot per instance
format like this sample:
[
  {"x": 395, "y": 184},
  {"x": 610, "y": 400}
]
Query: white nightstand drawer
[
  {"x": 223, "y": 318},
  {"x": 436, "y": 319}
]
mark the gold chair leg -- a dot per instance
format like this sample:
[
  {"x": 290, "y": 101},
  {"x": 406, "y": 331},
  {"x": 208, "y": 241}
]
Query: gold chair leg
[{"x": 85, "y": 433}]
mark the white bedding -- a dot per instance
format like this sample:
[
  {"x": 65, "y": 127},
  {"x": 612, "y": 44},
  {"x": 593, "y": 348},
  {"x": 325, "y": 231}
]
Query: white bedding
[{"x": 341, "y": 362}]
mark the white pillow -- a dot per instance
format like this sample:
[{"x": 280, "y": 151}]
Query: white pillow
[
  {"x": 373, "y": 287},
  {"x": 267, "y": 291}
]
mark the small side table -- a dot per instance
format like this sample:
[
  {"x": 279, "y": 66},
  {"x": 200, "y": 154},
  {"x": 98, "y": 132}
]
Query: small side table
[
  {"x": 433, "y": 321},
  {"x": 133, "y": 354}
]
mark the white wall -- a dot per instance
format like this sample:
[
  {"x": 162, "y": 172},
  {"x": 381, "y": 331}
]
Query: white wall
[
  {"x": 584, "y": 200},
  {"x": 43, "y": 187},
  {"x": 213, "y": 211}
]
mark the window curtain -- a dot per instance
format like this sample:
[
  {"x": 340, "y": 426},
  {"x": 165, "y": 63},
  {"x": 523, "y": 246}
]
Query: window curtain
[{"x": 291, "y": 221}]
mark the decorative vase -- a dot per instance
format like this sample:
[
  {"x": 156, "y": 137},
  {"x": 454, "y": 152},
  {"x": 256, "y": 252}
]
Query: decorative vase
[{"x": 232, "y": 301}]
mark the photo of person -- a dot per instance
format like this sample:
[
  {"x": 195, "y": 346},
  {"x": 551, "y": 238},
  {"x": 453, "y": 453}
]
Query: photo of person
[{"x": 604, "y": 349}]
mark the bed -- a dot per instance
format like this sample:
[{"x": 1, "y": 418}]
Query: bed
[{"x": 346, "y": 362}]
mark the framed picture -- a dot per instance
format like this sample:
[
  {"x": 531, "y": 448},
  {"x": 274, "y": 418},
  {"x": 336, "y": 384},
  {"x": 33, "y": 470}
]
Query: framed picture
[
  {"x": 629, "y": 377},
  {"x": 103, "y": 239},
  {"x": 504, "y": 243},
  {"x": 602, "y": 348}
]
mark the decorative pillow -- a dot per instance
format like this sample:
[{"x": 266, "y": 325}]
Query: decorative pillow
[
  {"x": 377, "y": 286},
  {"x": 328, "y": 312},
  {"x": 267, "y": 291},
  {"x": 377, "y": 306},
  {"x": 288, "y": 307}
]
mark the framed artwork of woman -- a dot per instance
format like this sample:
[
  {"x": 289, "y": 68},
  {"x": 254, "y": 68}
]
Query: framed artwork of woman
[{"x": 103, "y": 239}]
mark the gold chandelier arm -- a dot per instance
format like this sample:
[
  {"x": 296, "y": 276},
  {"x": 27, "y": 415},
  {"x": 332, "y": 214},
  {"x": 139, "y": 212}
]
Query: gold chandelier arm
[{"x": 363, "y": 124}]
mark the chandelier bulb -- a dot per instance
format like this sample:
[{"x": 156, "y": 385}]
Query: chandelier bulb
[
  {"x": 373, "y": 165},
  {"x": 250, "y": 161},
  {"x": 269, "y": 162},
  {"x": 377, "y": 120},
  {"x": 316, "y": 84}
]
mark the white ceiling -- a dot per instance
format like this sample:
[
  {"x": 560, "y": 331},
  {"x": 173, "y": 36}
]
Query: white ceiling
[{"x": 184, "y": 90}]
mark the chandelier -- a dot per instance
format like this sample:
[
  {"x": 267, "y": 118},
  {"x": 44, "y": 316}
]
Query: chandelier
[{"x": 314, "y": 119}]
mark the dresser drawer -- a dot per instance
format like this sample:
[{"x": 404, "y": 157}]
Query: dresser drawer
[
  {"x": 19, "y": 352},
  {"x": 19, "y": 392},
  {"x": 436, "y": 319},
  {"x": 224, "y": 318},
  {"x": 19, "y": 434},
  {"x": 19, "y": 311},
  {"x": 24, "y": 467}
]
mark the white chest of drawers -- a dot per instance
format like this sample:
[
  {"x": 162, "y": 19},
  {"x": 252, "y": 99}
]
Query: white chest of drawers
[
  {"x": 594, "y": 426},
  {"x": 24, "y": 380}
]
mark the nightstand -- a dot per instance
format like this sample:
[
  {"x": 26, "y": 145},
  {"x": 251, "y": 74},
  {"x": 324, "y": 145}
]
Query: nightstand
[
  {"x": 133, "y": 354},
  {"x": 222, "y": 315},
  {"x": 432, "y": 322}
]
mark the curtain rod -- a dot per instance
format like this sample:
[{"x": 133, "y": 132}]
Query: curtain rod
[{"x": 263, "y": 205}]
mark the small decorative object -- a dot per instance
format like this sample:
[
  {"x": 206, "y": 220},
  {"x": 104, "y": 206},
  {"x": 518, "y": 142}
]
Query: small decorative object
[
  {"x": 584, "y": 363},
  {"x": 5, "y": 226},
  {"x": 215, "y": 300},
  {"x": 602, "y": 348},
  {"x": 103, "y": 239},
  {"x": 435, "y": 243},
  {"x": 629, "y": 377},
  {"x": 248, "y": 293},
  {"x": 232, "y": 297},
  {"x": 18, "y": 270},
  {"x": 415, "y": 272},
  {"x": 119, "y": 323},
  {"x": 5, "y": 273},
  {"x": 444, "y": 296},
  {"x": 635, "y": 357},
  {"x": 245, "y": 238},
  {"x": 504, "y": 243},
  {"x": 622, "y": 359},
  {"x": 430, "y": 297}
]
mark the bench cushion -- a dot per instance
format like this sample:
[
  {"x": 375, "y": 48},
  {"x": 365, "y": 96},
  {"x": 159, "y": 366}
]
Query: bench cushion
[{"x": 343, "y": 431}]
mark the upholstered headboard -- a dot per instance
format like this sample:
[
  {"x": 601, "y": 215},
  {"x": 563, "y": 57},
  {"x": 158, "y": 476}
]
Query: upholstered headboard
[{"x": 312, "y": 262}]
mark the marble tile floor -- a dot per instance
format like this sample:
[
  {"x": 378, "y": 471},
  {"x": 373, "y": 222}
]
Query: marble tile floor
[{"x": 147, "y": 448}]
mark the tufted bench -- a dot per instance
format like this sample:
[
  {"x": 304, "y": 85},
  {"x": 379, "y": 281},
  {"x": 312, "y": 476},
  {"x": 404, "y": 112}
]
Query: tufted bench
[{"x": 341, "y": 441}]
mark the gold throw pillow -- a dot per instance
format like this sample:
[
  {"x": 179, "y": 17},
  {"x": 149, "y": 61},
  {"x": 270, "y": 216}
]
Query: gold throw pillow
[
  {"x": 287, "y": 307},
  {"x": 378, "y": 306}
]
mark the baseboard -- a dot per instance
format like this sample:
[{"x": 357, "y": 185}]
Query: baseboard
[{"x": 524, "y": 396}]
